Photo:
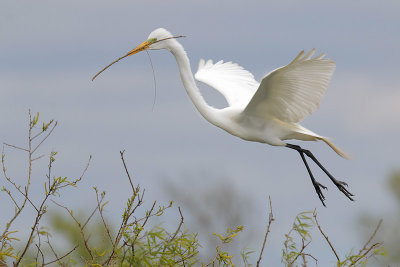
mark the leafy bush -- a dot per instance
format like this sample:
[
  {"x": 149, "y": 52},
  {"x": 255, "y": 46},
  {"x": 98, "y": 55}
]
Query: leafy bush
[{"x": 134, "y": 242}]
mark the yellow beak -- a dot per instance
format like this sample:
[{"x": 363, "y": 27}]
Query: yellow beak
[{"x": 143, "y": 46}]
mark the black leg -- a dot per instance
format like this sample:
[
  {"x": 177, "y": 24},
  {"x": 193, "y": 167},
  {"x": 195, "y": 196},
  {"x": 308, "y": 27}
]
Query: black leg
[
  {"x": 339, "y": 184},
  {"x": 316, "y": 184}
]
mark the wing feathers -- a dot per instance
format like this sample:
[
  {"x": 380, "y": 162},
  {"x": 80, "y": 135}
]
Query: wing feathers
[
  {"x": 235, "y": 83},
  {"x": 292, "y": 92},
  {"x": 309, "y": 55},
  {"x": 298, "y": 57}
]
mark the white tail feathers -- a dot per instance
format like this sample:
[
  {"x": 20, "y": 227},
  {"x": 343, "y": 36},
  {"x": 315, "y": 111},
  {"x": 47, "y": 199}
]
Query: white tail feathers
[{"x": 335, "y": 148}]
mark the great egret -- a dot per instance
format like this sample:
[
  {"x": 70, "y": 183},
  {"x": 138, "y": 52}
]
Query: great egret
[{"x": 267, "y": 112}]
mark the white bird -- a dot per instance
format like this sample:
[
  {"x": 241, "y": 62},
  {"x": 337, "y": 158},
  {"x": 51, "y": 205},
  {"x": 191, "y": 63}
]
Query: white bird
[{"x": 268, "y": 112}]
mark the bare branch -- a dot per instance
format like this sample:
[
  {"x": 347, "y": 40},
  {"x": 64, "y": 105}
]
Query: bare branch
[
  {"x": 129, "y": 211},
  {"x": 367, "y": 250},
  {"x": 41, "y": 132},
  {"x": 366, "y": 253},
  {"x": 326, "y": 238},
  {"x": 16, "y": 147},
  {"x": 60, "y": 258},
  {"x": 41, "y": 253},
  {"x": 303, "y": 247},
  {"x": 51, "y": 248},
  {"x": 40, "y": 212},
  {"x": 311, "y": 256},
  {"x": 81, "y": 227},
  {"x": 270, "y": 220},
  {"x": 149, "y": 214},
  {"x": 12, "y": 198},
  {"x": 179, "y": 227},
  {"x": 126, "y": 170},
  {"x": 372, "y": 236},
  {"x": 41, "y": 142},
  {"x": 174, "y": 235},
  {"x": 100, "y": 208},
  {"x": 73, "y": 183},
  {"x": 41, "y": 156}
]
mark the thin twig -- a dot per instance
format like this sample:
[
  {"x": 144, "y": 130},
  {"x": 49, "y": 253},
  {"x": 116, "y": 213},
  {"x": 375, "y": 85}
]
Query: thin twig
[
  {"x": 179, "y": 227},
  {"x": 101, "y": 215},
  {"x": 51, "y": 247},
  {"x": 270, "y": 220},
  {"x": 41, "y": 142},
  {"x": 16, "y": 147},
  {"x": 148, "y": 215},
  {"x": 129, "y": 211},
  {"x": 73, "y": 183},
  {"x": 366, "y": 244},
  {"x": 365, "y": 253},
  {"x": 18, "y": 188},
  {"x": 41, "y": 156},
  {"x": 303, "y": 247},
  {"x": 311, "y": 256},
  {"x": 174, "y": 235},
  {"x": 41, "y": 253},
  {"x": 185, "y": 258},
  {"x": 372, "y": 236},
  {"x": 40, "y": 212},
  {"x": 41, "y": 132},
  {"x": 60, "y": 258},
  {"x": 12, "y": 198},
  {"x": 326, "y": 238},
  {"x": 81, "y": 227},
  {"x": 126, "y": 170}
]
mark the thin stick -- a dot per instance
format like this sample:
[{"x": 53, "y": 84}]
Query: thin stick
[
  {"x": 112, "y": 63},
  {"x": 179, "y": 227},
  {"x": 60, "y": 258},
  {"x": 81, "y": 227},
  {"x": 126, "y": 170},
  {"x": 109, "y": 65},
  {"x": 366, "y": 253},
  {"x": 270, "y": 220},
  {"x": 372, "y": 236},
  {"x": 326, "y": 238},
  {"x": 41, "y": 142},
  {"x": 366, "y": 244},
  {"x": 175, "y": 234},
  {"x": 100, "y": 208},
  {"x": 303, "y": 247},
  {"x": 17, "y": 147}
]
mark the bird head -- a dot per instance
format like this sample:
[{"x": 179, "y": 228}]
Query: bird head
[{"x": 158, "y": 39}]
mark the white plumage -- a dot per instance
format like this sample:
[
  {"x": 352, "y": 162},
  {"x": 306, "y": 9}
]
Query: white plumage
[
  {"x": 235, "y": 83},
  {"x": 292, "y": 92},
  {"x": 267, "y": 112}
]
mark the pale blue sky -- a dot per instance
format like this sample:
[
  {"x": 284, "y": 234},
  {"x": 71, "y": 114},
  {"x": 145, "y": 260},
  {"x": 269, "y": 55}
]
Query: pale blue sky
[{"x": 50, "y": 50}]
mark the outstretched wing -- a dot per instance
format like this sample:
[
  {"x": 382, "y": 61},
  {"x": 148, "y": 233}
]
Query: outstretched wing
[
  {"x": 236, "y": 84},
  {"x": 292, "y": 92}
]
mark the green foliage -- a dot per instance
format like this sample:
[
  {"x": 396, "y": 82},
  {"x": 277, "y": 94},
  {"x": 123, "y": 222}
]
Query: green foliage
[
  {"x": 245, "y": 253},
  {"x": 222, "y": 257},
  {"x": 95, "y": 242},
  {"x": 156, "y": 247},
  {"x": 302, "y": 225}
]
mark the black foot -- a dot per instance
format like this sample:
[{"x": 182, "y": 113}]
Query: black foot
[
  {"x": 339, "y": 184},
  {"x": 317, "y": 185}
]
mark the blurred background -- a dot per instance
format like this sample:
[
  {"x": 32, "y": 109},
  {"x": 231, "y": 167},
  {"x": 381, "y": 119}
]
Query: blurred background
[{"x": 49, "y": 50}]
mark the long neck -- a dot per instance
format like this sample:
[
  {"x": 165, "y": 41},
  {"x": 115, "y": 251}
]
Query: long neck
[{"x": 208, "y": 112}]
